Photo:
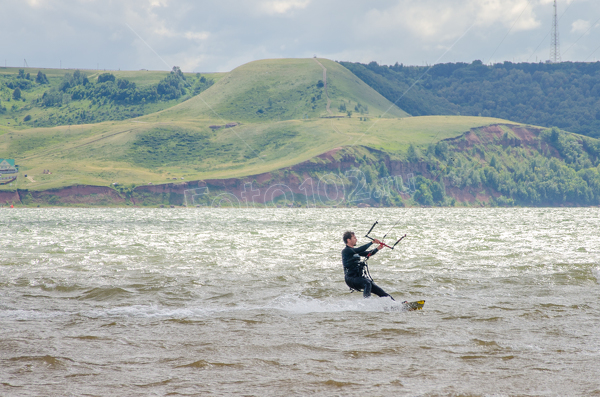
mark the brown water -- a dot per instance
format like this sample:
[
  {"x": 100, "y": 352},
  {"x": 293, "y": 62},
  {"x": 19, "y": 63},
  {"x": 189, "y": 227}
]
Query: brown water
[{"x": 252, "y": 302}]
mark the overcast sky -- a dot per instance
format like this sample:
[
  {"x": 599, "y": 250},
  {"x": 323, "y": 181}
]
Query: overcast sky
[{"x": 210, "y": 36}]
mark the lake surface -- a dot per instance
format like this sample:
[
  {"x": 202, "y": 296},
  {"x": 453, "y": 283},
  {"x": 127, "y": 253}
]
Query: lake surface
[{"x": 139, "y": 302}]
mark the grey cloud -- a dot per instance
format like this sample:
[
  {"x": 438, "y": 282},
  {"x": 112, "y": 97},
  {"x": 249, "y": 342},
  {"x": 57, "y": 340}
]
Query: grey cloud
[{"x": 218, "y": 36}]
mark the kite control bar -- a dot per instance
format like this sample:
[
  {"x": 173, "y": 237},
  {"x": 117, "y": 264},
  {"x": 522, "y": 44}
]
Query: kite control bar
[
  {"x": 382, "y": 243},
  {"x": 364, "y": 263}
]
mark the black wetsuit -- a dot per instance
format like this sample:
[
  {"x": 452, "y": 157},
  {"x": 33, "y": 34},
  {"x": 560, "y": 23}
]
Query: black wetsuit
[{"x": 353, "y": 272}]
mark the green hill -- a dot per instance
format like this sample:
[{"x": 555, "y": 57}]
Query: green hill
[
  {"x": 277, "y": 114},
  {"x": 284, "y": 89},
  {"x": 280, "y": 106}
]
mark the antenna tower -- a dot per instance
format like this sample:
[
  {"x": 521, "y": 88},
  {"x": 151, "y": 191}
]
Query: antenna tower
[{"x": 554, "y": 45}]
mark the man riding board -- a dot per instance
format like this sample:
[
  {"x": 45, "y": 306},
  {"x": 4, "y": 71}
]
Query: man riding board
[{"x": 353, "y": 269}]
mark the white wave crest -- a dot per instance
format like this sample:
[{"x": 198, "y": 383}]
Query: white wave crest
[
  {"x": 302, "y": 304},
  {"x": 596, "y": 273}
]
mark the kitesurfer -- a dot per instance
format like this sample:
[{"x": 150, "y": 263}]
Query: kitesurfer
[{"x": 353, "y": 268}]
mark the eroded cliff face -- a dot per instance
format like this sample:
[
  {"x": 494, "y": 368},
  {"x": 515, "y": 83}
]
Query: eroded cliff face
[
  {"x": 333, "y": 178},
  {"x": 9, "y": 197},
  {"x": 79, "y": 194},
  {"x": 82, "y": 195},
  {"x": 325, "y": 180},
  {"x": 329, "y": 179}
]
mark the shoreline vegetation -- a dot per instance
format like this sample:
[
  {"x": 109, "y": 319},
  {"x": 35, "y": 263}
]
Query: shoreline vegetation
[{"x": 494, "y": 166}]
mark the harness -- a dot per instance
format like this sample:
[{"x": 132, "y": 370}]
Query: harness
[{"x": 365, "y": 273}]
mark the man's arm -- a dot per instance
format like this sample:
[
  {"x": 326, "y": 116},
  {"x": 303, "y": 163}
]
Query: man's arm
[
  {"x": 369, "y": 253},
  {"x": 362, "y": 249}
]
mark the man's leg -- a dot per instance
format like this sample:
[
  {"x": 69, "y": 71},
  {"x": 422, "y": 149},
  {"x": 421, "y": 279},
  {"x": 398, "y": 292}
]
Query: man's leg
[
  {"x": 378, "y": 291},
  {"x": 367, "y": 289},
  {"x": 360, "y": 284}
]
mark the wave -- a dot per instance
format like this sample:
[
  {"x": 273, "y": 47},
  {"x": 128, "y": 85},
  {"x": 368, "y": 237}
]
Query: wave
[
  {"x": 302, "y": 304},
  {"x": 206, "y": 364},
  {"x": 24, "y": 315},
  {"x": 47, "y": 360},
  {"x": 596, "y": 273},
  {"x": 292, "y": 303},
  {"x": 105, "y": 293}
]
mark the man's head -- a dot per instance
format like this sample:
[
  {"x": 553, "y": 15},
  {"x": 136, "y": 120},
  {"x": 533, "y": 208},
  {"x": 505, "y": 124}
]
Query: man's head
[{"x": 349, "y": 238}]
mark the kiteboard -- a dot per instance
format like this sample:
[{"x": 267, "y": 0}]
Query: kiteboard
[
  {"x": 410, "y": 306},
  {"x": 407, "y": 306}
]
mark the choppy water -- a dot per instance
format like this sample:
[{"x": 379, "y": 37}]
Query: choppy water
[{"x": 252, "y": 302}]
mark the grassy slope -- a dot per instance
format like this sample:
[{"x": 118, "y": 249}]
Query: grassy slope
[
  {"x": 104, "y": 153},
  {"x": 178, "y": 142},
  {"x": 290, "y": 85}
]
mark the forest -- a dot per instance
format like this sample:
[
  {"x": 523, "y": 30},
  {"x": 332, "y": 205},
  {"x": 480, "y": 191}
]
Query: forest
[
  {"x": 555, "y": 168},
  {"x": 564, "y": 95},
  {"x": 76, "y": 98}
]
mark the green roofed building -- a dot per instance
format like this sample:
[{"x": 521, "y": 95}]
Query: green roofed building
[
  {"x": 7, "y": 166},
  {"x": 8, "y": 170}
]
